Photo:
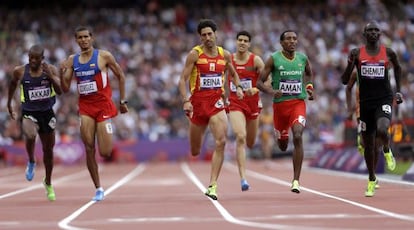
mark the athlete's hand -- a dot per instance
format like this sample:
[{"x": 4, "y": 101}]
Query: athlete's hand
[
  {"x": 46, "y": 69},
  {"x": 239, "y": 92},
  {"x": 188, "y": 109},
  {"x": 252, "y": 91},
  {"x": 398, "y": 98},
  {"x": 123, "y": 108},
  {"x": 277, "y": 93},
  {"x": 12, "y": 114},
  {"x": 310, "y": 94},
  {"x": 350, "y": 114}
]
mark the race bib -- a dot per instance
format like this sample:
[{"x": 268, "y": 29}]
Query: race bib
[
  {"x": 211, "y": 81},
  {"x": 290, "y": 87},
  {"x": 87, "y": 87},
  {"x": 39, "y": 94},
  {"x": 373, "y": 71},
  {"x": 245, "y": 83}
]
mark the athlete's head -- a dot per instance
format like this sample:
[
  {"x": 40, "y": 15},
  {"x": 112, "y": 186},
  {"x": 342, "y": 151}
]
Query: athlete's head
[
  {"x": 83, "y": 37},
  {"x": 206, "y": 23},
  {"x": 372, "y": 31},
  {"x": 36, "y": 56},
  {"x": 288, "y": 40},
  {"x": 207, "y": 31},
  {"x": 243, "y": 41}
]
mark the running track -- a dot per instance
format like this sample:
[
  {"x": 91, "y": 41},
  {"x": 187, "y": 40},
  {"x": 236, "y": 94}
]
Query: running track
[{"x": 161, "y": 195}]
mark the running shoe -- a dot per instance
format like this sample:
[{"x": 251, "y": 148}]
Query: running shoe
[
  {"x": 295, "y": 186},
  {"x": 370, "y": 189},
  {"x": 50, "y": 192},
  {"x": 244, "y": 185},
  {"x": 99, "y": 195},
  {"x": 360, "y": 147},
  {"x": 390, "y": 160},
  {"x": 211, "y": 191},
  {"x": 377, "y": 186},
  {"x": 30, "y": 168}
]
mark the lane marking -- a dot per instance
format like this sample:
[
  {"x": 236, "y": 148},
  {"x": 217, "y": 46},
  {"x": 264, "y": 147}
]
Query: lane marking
[
  {"x": 288, "y": 184},
  {"x": 37, "y": 186},
  {"x": 226, "y": 214},
  {"x": 64, "y": 224}
]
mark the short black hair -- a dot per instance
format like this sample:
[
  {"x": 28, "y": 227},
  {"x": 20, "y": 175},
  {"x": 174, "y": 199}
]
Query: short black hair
[
  {"x": 37, "y": 49},
  {"x": 244, "y": 33},
  {"x": 282, "y": 35},
  {"x": 206, "y": 23},
  {"x": 83, "y": 28}
]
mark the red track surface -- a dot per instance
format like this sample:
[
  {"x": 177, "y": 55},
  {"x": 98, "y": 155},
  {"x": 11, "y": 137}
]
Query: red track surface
[{"x": 170, "y": 196}]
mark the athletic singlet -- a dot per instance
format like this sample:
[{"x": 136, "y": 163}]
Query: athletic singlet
[
  {"x": 373, "y": 77},
  {"x": 248, "y": 76},
  {"x": 93, "y": 84},
  {"x": 207, "y": 76},
  {"x": 36, "y": 93},
  {"x": 287, "y": 76}
]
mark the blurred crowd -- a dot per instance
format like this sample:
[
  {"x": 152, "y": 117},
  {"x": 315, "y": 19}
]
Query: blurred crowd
[{"x": 151, "y": 42}]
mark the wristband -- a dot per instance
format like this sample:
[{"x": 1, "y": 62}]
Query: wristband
[
  {"x": 123, "y": 102},
  {"x": 309, "y": 86},
  {"x": 240, "y": 86}
]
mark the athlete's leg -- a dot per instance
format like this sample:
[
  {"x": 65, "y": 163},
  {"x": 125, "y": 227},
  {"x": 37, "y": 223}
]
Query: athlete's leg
[
  {"x": 87, "y": 130},
  {"x": 104, "y": 132},
  {"x": 48, "y": 142},
  {"x": 218, "y": 128},
  {"x": 238, "y": 123},
  {"x": 30, "y": 129},
  {"x": 297, "y": 131},
  {"x": 196, "y": 135},
  {"x": 369, "y": 142}
]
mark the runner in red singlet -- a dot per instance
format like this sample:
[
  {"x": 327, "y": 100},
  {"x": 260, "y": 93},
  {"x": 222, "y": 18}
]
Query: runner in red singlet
[{"x": 244, "y": 113}]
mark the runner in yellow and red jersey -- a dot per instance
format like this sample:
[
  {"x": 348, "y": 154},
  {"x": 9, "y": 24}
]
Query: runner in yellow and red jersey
[{"x": 204, "y": 70}]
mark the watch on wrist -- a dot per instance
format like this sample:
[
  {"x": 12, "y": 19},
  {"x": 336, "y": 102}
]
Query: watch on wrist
[{"x": 123, "y": 102}]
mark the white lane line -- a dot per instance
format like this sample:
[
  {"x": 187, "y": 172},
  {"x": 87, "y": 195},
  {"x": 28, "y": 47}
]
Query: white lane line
[
  {"x": 228, "y": 217},
  {"x": 37, "y": 186},
  {"x": 286, "y": 183},
  {"x": 64, "y": 224}
]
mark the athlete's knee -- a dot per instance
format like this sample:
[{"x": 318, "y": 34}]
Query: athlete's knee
[
  {"x": 250, "y": 144},
  {"x": 241, "y": 138},
  {"x": 220, "y": 143},
  {"x": 283, "y": 144}
]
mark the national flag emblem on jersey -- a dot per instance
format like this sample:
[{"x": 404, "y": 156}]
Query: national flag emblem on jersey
[{"x": 92, "y": 65}]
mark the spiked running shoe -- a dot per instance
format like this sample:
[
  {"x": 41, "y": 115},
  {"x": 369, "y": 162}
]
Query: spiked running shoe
[
  {"x": 50, "y": 192},
  {"x": 211, "y": 191},
  {"x": 30, "y": 167},
  {"x": 244, "y": 185},
  {"x": 377, "y": 186},
  {"x": 370, "y": 189},
  {"x": 99, "y": 195},
  {"x": 390, "y": 160},
  {"x": 295, "y": 186},
  {"x": 360, "y": 147}
]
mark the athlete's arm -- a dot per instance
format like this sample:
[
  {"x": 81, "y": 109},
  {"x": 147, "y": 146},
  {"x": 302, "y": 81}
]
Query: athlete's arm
[
  {"x": 397, "y": 73},
  {"x": 348, "y": 94},
  {"x": 352, "y": 62},
  {"x": 51, "y": 72},
  {"x": 268, "y": 67},
  {"x": 235, "y": 76},
  {"x": 66, "y": 73},
  {"x": 15, "y": 80},
  {"x": 117, "y": 71},
  {"x": 190, "y": 61},
  {"x": 308, "y": 78}
]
